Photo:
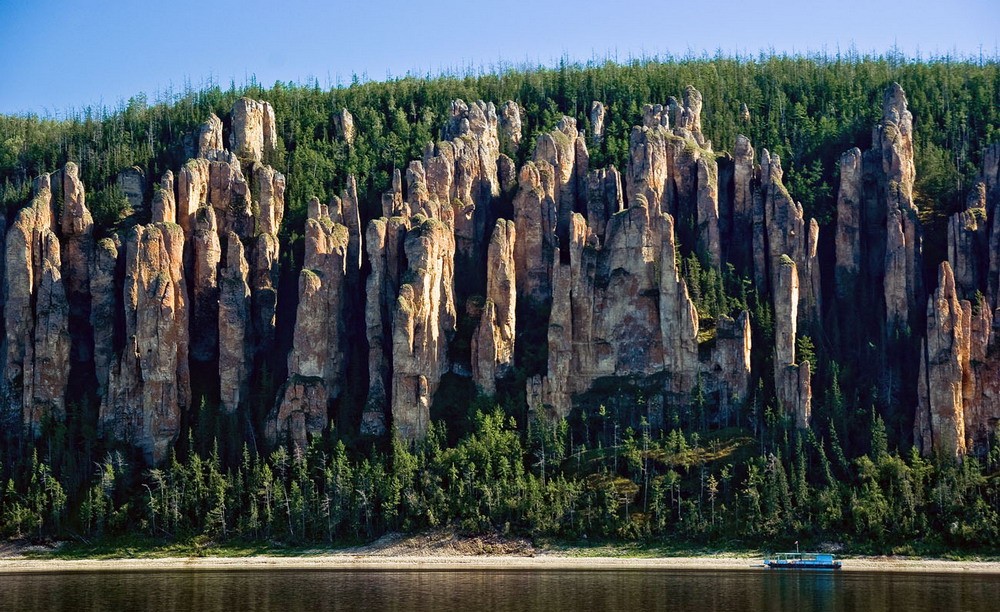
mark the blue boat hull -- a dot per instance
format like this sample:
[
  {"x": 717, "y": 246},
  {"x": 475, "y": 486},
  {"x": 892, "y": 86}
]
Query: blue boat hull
[{"x": 804, "y": 566}]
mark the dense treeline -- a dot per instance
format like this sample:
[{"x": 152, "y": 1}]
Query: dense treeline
[
  {"x": 722, "y": 487},
  {"x": 748, "y": 477}
]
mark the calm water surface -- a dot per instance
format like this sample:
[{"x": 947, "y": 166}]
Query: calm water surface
[{"x": 206, "y": 591}]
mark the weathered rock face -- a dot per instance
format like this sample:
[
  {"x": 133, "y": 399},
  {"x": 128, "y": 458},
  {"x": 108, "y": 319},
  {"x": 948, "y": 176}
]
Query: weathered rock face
[
  {"x": 271, "y": 190},
  {"x": 535, "y": 223},
  {"x": 726, "y": 373},
  {"x": 744, "y": 177},
  {"x": 893, "y": 141},
  {"x": 149, "y": 388},
  {"x": 708, "y": 211},
  {"x": 878, "y": 273},
  {"x": 789, "y": 236},
  {"x": 234, "y": 326},
  {"x": 791, "y": 380},
  {"x": 205, "y": 297},
  {"x": 164, "y": 209},
  {"x": 664, "y": 168},
  {"x": 345, "y": 125},
  {"x": 192, "y": 193},
  {"x": 384, "y": 244},
  {"x": 36, "y": 316},
  {"x": 493, "y": 342},
  {"x": 565, "y": 150},
  {"x": 422, "y": 324},
  {"x": 254, "y": 134},
  {"x": 132, "y": 182},
  {"x": 104, "y": 310},
  {"x": 608, "y": 306},
  {"x": 229, "y": 195},
  {"x": 604, "y": 198},
  {"x": 990, "y": 175},
  {"x": 317, "y": 363},
  {"x": 210, "y": 137},
  {"x": 940, "y": 422},
  {"x": 510, "y": 127},
  {"x": 77, "y": 230},
  {"x": 968, "y": 244},
  {"x": 958, "y": 397},
  {"x": 848, "y": 241},
  {"x": 597, "y": 114}
]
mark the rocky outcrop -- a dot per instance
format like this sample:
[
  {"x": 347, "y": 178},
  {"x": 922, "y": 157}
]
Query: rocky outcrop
[
  {"x": 990, "y": 176},
  {"x": 849, "y": 214},
  {"x": 789, "y": 236},
  {"x": 791, "y": 380},
  {"x": 317, "y": 363},
  {"x": 36, "y": 316},
  {"x": 565, "y": 150},
  {"x": 422, "y": 324},
  {"x": 744, "y": 177},
  {"x": 271, "y": 199},
  {"x": 457, "y": 183},
  {"x": 210, "y": 137},
  {"x": 510, "y": 127},
  {"x": 664, "y": 168},
  {"x": 344, "y": 122},
  {"x": 609, "y": 309},
  {"x": 104, "y": 309},
  {"x": 264, "y": 256},
  {"x": 958, "y": 397},
  {"x": 234, "y": 327},
  {"x": 708, "y": 212},
  {"x": 132, "y": 183},
  {"x": 384, "y": 245},
  {"x": 229, "y": 195},
  {"x": 205, "y": 286},
  {"x": 878, "y": 248},
  {"x": 535, "y": 217},
  {"x": 192, "y": 193},
  {"x": 940, "y": 421},
  {"x": 893, "y": 142},
  {"x": 254, "y": 135},
  {"x": 493, "y": 341},
  {"x": 597, "y": 115},
  {"x": 968, "y": 244},
  {"x": 604, "y": 198},
  {"x": 77, "y": 231},
  {"x": 725, "y": 378},
  {"x": 164, "y": 208},
  {"x": 149, "y": 388}
]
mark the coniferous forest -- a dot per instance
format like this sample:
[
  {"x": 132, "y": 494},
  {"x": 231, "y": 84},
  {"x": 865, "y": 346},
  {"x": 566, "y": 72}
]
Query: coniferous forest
[{"x": 809, "y": 375}]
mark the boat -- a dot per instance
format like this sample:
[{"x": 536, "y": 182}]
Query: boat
[{"x": 802, "y": 561}]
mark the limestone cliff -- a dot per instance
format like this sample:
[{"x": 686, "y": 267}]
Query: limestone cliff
[
  {"x": 149, "y": 387},
  {"x": 316, "y": 364},
  {"x": 422, "y": 324},
  {"x": 493, "y": 342},
  {"x": 234, "y": 327},
  {"x": 593, "y": 288},
  {"x": 36, "y": 314}
]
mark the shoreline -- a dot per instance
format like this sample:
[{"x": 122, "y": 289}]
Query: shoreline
[{"x": 544, "y": 561}]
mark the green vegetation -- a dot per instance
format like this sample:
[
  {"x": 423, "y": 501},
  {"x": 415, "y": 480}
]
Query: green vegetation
[
  {"x": 743, "y": 481},
  {"x": 719, "y": 488}
]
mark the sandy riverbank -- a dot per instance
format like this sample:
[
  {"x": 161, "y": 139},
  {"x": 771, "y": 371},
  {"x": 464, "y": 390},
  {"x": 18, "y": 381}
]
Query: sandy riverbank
[
  {"x": 445, "y": 550},
  {"x": 545, "y": 561}
]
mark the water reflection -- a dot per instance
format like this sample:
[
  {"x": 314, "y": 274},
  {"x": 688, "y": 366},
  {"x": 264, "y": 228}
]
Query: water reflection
[{"x": 367, "y": 591}]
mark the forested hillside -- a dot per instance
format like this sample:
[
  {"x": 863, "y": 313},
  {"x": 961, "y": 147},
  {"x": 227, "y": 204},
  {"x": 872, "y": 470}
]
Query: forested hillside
[{"x": 718, "y": 300}]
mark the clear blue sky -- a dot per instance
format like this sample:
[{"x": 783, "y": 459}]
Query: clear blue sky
[{"x": 56, "y": 56}]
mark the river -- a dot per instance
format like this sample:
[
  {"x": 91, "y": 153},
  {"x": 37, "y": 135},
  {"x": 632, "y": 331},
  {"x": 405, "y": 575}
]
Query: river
[{"x": 500, "y": 590}]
